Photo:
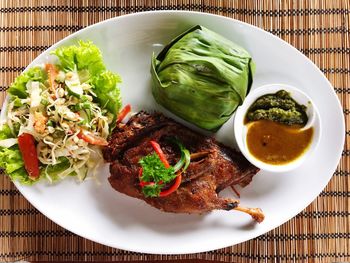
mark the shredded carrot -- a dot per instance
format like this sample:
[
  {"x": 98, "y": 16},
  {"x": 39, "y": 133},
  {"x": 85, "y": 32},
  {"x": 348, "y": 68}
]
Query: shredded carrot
[{"x": 52, "y": 74}]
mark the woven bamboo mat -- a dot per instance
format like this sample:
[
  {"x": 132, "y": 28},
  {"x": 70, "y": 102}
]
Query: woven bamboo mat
[{"x": 319, "y": 29}]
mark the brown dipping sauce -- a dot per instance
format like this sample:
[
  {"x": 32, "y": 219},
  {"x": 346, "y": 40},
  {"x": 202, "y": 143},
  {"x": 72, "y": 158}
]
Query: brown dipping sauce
[{"x": 275, "y": 143}]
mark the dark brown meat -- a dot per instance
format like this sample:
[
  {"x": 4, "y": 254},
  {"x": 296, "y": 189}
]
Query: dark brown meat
[{"x": 217, "y": 167}]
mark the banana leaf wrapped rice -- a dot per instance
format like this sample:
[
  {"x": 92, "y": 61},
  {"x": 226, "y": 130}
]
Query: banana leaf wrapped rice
[{"x": 202, "y": 77}]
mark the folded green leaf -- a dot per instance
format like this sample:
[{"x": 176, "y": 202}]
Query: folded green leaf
[{"x": 202, "y": 77}]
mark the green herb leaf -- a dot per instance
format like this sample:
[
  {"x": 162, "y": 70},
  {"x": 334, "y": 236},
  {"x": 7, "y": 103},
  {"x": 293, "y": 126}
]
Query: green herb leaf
[
  {"x": 151, "y": 190},
  {"x": 153, "y": 170}
]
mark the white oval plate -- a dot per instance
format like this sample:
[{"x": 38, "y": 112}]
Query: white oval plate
[{"x": 97, "y": 212}]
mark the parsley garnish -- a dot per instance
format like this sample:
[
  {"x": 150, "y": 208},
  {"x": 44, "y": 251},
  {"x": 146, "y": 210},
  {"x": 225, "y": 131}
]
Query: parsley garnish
[
  {"x": 153, "y": 170},
  {"x": 151, "y": 190}
]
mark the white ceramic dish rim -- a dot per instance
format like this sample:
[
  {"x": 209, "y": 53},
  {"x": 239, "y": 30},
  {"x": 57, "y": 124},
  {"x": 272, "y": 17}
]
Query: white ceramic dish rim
[
  {"x": 241, "y": 129},
  {"x": 214, "y": 246}
]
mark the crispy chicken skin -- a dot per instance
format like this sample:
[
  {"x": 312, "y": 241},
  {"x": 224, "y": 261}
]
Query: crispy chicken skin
[{"x": 213, "y": 166}]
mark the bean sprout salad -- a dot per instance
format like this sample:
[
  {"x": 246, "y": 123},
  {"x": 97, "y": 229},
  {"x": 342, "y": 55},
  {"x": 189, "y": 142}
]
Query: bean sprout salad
[{"x": 59, "y": 115}]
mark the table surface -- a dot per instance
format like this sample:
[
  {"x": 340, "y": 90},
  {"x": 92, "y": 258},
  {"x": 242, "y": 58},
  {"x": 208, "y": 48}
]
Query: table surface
[{"x": 319, "y": 29}]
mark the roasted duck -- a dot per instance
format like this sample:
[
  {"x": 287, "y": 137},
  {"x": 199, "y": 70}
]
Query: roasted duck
[{"x": 213, "y": 166}]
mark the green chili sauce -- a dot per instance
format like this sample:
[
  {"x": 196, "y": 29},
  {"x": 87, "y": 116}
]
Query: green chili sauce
[
  {"x": 279, "y": 107},
  {"x": 275, "y": 134}
]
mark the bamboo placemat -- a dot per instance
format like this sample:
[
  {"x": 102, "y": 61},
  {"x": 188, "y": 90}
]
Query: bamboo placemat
[{"x": 319, "y": 29}]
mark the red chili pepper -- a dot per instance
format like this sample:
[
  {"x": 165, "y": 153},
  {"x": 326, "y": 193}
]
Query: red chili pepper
[
  {"x": 122, "y": 114},
  {"x": 163, "y": 159},
  {"x": 143, "y": 183},
  {"x": 26, "y": 143},
  {"x": 160, "y": 153},
  {"x": 173, "y": 188}
]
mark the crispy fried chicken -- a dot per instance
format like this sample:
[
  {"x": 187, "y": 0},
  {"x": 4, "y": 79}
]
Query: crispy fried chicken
[{"x": 213, "y": 166}]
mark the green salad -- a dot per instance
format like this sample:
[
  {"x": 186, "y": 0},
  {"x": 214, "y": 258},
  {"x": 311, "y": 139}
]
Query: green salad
[{"x": 58, "y": 116}]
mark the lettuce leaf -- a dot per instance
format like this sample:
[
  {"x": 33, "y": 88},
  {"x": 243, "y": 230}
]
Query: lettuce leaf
[
  {"x": 5, "y": 132},
  {"x": 21, "y": 176},
  {"x": 85, "y": 55},
  {"x": 108, "y": 95},
  {"x": 87, "y": 59},
  {"x": 18, "y": 87},
  {"x": 53, "y": 170},
  {"x": 11, "y": 159}
]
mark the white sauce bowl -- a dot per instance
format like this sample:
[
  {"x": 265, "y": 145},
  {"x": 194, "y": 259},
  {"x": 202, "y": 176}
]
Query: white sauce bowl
[{"x": 240, "y": 129}]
